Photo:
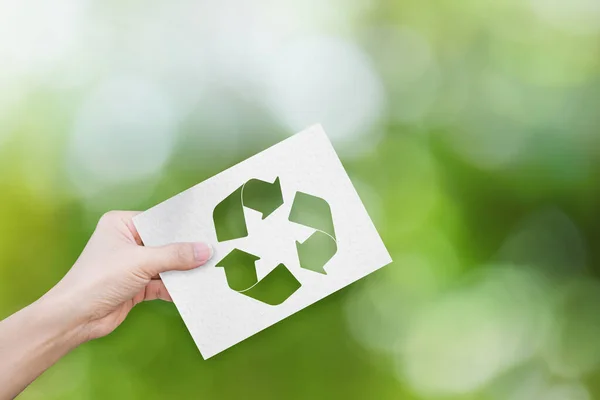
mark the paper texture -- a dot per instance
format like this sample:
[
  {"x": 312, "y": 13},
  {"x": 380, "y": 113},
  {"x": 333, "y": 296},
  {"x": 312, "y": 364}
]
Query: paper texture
[{"x": 238, "y": 293}]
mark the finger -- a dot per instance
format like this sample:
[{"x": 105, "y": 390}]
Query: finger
[
  {"x": 114, "y": 219},
  {"x": 119, "y": 215},
  {"x": 156, "y": 290},
  {"x": 174, "y": 257},
  {"x": 128, "y": 220}
]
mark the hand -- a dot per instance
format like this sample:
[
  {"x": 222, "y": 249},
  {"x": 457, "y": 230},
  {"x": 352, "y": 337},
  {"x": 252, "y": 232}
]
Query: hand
[{"x": 115, "y": 272}]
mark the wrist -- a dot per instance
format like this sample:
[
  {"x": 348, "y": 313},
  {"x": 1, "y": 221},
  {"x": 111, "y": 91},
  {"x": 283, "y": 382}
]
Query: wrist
[{"x": 63, "y": 325}]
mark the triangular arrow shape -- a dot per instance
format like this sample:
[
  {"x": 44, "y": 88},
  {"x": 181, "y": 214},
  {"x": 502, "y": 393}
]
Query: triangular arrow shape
[
  {"x": 262, "y": 196},
  {"x": 228, "y": 215},
  {"x": 240, "y": 269},
  {"x": 321, "y": 246}
]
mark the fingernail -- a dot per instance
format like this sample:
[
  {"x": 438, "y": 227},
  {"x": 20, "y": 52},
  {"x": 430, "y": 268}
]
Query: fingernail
[{"x": 203, "y": 252}]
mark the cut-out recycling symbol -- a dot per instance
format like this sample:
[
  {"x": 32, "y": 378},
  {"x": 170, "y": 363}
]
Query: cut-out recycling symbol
[{"x": 240, "y": 268}]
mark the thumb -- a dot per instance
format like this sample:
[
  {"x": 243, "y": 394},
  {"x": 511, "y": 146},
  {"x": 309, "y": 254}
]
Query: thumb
[{"x": 175, "y": 257}]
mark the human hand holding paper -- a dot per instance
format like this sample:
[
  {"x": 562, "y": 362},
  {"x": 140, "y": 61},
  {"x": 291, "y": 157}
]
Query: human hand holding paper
[
  {"x": 297, "y": 234},
  {"x": 113, "y": 274}
]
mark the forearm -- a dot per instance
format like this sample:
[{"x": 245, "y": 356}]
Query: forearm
[
  {"x": 113, "y": 273},
  {"x": 32, "y": 340}
]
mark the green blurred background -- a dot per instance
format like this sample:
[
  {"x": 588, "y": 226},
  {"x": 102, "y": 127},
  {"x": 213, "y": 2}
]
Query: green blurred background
[{"x": 469, "y": 128}]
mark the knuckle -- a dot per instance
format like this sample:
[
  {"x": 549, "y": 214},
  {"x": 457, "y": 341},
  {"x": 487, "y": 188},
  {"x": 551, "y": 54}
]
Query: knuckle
[
  {"x": 142, "y": 257},
  {"x": 108, "y": 217},
  {"x": 182, "y": 254},
  {"x": 157, "y": 292}
]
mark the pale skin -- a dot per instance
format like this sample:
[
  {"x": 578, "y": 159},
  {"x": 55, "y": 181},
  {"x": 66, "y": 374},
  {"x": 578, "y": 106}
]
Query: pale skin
[{"x": 113, "y": 274}]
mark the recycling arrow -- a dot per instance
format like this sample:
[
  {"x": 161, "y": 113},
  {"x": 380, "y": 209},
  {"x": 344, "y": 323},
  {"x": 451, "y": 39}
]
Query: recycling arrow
[
  {"x": 240, "y": 272},
  {"x": 321, "y": 246},
  {"x": 228, "y": 215},
  {"x": 265, "y": 197},
  {"x": 262, "y": 196}
]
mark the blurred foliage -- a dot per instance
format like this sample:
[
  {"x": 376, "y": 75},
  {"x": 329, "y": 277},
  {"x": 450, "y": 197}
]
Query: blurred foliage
[{"x": 469, "y": 129}]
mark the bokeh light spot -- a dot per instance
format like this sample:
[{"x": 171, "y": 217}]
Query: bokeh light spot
[
  {"x": 468, "y": 337},
  {"x": 330, "y": 81},
  {"x": 123, "y": 133}
]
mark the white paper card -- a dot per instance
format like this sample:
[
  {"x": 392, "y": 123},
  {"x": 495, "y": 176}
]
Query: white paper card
[{"x": 256, "y": 280}]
